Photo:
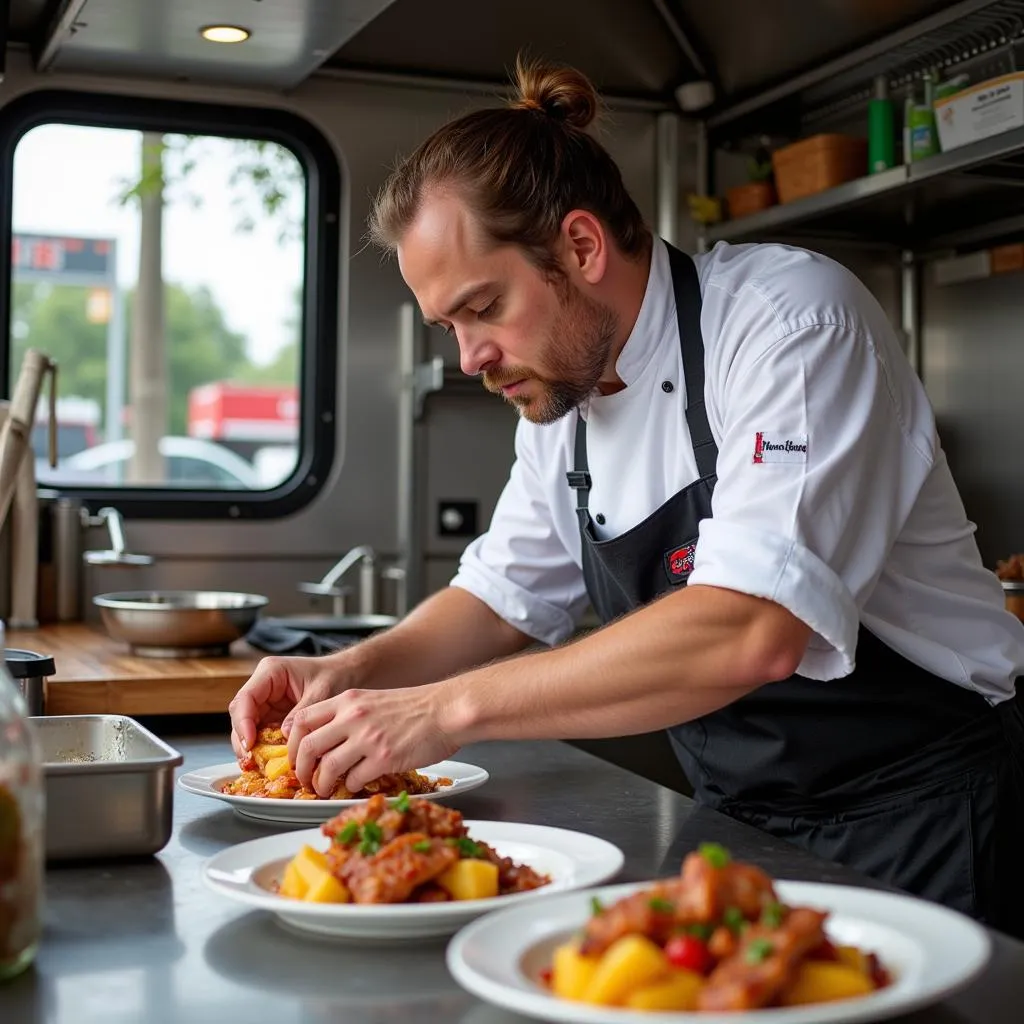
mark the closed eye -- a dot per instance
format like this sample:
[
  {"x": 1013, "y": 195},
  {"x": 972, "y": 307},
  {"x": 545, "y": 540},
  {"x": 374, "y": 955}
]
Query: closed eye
[{"x": 489, "y": 310}]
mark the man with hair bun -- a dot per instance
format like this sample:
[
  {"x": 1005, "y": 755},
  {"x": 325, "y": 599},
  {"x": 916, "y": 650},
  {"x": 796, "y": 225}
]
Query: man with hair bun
[{"x": 730, "y": 459}]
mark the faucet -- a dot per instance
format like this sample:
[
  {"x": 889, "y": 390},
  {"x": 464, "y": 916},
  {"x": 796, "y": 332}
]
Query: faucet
[
  {"x": 116, "y": 554},
  {"x": 329, "y": 585}
]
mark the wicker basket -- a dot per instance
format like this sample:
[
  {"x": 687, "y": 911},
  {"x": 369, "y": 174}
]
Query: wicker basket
[{"x": 818, "y": 163}]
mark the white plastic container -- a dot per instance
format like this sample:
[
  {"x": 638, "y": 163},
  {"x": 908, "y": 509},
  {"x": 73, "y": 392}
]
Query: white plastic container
[{"x": 986, "y": 109}]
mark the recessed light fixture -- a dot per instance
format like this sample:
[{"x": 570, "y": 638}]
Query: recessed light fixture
[{"x": 225, "y": 33}]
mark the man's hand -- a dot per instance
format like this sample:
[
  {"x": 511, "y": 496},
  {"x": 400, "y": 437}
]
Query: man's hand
[
  {"x": 276, "y": 691},
  {"x": 360, "y": 735}
]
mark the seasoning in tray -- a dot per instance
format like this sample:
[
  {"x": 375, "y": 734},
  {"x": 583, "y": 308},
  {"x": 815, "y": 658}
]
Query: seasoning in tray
[
  {"x": 715, "y": 938},
  {"x": 266, "y": 772},
  {"x": 402, "y": 851}
]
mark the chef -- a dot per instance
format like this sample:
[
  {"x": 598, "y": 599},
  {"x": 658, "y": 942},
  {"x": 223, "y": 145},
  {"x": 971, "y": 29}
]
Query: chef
[{"x": 730, "y": 460}]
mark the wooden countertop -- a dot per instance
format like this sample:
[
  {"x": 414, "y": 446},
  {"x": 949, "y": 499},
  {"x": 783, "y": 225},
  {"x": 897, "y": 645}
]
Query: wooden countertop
[{"x": 98, "y": 675}]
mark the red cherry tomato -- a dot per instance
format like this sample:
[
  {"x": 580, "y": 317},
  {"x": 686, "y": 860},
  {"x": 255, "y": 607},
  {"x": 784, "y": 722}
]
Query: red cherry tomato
[{"x": 688, "y": 952}]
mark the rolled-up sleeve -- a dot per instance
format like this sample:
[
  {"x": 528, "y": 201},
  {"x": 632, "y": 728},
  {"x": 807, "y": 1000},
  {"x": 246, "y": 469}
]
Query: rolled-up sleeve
[
  {"x": 812, "y": 529},
  {"x": 522, "y": 567}
]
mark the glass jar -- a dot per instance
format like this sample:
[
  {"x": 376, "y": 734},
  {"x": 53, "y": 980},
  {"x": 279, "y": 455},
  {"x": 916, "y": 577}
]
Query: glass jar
[{"x": 21, "y": 830}]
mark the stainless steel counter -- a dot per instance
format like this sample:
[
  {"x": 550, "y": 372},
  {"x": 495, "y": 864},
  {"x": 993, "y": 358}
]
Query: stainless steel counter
[{"x": 146, "y": 943}]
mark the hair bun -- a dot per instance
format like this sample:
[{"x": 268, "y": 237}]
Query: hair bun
[{"x": 563, "y": 93}]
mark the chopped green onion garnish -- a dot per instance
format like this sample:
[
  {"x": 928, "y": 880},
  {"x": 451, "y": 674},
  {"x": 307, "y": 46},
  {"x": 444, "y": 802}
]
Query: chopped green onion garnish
[
  {"x": 349, "y": 833},
  {"x": 423, "y": 846},
  {"x": 401, "y": 802},
  {"x": 715, "y": 854},
  {"x": 699, "y": 931},
  {"x": 772, "y": 915},
  {"x": 758, "y": 951},
  {"x": 661, "y": 906},
  {"x": 733, "y": 919},
  {"x": 372, "y": 836},
  {"x": 468, "y": 850},
  {"x": 596, "y": 907}
]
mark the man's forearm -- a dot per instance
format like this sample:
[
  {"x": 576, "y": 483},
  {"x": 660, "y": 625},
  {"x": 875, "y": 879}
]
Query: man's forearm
[
  {"x": 677, "y": 659},
  {"x": 452, "y": 631}
]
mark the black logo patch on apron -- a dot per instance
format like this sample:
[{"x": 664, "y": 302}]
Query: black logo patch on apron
[{"x": 679, "y": 562}]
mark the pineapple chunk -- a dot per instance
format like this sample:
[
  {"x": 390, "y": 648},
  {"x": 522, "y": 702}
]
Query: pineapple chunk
[
  {"x": 571, "y": 972},
  {"x": 855, "y": 958},
  {"x": 293, "y": 884},
  {"x": 627, "y": 964},
  {"x": 310, "y": 864},
  {"x": 470, "y": 880},
  {"x": 264, "y": 752},
  {"x": 276, "y": 767},
  {"x": 327, "y": 890},
  {"x": 823, "y": 982},
  {"x": 677, "y": 992}
]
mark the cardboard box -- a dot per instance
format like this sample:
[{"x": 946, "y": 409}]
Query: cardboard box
[
  {"x": 981, "y": 111},
  {"x": 1008, "y": 258}
]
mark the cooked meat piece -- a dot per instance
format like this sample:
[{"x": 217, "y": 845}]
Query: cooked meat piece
[
  {"x": 639, "y": 914},
  {"x": 391, "y": 874},
  {"x": 723, "y": 943},
  {"x": 430, "y": 893},
  {"x": 433, "y": 819},
  {"x": 764, "y": 964},
  {"x": 512, "y": 877},
  {"x": 707, "y": 891}
]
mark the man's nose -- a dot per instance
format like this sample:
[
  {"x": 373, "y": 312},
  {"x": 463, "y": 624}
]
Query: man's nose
[{"x": 476, "y": 352}]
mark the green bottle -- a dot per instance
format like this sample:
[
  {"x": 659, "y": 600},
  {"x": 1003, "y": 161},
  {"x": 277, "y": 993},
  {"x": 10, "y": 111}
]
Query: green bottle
[{"x": 881, "y": 129}]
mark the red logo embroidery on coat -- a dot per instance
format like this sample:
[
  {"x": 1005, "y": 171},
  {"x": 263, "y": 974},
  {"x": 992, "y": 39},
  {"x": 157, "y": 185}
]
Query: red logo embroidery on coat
[
  {"x": 680, "y": 561},
  {"x": 759, "y": 447}
]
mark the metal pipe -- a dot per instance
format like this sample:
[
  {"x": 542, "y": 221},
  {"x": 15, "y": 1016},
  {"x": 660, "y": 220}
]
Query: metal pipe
[
  {"x": 409, "y": 588},
  {"x": 910, "y": 320},
  {"x": 667, "y": 177},
  {"x": 682, "y": 39}
]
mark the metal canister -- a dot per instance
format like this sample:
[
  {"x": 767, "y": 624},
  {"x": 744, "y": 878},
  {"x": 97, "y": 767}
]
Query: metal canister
[
  {"x": 68, "y": 544},
  {"x": 30, "y": 672}
]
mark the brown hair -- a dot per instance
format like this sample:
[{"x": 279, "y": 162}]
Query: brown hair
[{"x": 520, "y": 168}]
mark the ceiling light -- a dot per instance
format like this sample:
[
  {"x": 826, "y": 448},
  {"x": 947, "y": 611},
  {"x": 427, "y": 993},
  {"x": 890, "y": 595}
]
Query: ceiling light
[{"x": 225, "y": 33}]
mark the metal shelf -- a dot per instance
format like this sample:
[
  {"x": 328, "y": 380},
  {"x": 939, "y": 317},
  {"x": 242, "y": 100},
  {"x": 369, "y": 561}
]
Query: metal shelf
[
  {"x": 956, "y": 195},
  {"x": 964, "y": 32}
]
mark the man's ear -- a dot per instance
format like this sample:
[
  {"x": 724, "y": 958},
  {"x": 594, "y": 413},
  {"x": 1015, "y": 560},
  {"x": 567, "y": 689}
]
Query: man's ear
[{"x": 585, "y": 244}]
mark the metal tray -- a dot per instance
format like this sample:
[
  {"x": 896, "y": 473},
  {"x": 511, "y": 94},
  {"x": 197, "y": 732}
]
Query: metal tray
[{"x": 109, "y": 786}]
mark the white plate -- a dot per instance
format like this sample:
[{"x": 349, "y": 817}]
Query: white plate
[
  {"x": 931, "y": 951},
  {"x": 572, "y": 859},
  {"x": 207, "y": 782}
]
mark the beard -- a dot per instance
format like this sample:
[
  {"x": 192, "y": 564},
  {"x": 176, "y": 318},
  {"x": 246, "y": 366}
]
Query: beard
[{"x": 577, "y": 348}]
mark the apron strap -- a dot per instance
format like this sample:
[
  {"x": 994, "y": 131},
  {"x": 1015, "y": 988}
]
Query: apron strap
[
  {"x": 686, "y": 285},
  {"x": 579, "y": 476}
]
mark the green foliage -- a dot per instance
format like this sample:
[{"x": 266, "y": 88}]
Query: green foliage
[{"x": 200, "y": 346}]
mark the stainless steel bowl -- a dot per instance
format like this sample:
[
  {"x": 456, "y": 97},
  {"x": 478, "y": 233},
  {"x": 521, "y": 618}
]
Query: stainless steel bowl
[{"x": 178, "y": 623}]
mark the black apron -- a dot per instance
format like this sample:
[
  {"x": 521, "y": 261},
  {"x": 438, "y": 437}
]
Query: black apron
[{"x": 891, "y": 770}]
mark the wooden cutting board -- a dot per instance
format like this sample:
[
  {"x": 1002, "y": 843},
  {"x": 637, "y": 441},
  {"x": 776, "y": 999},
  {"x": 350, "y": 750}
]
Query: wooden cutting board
[{"x": 96, "y": 675}]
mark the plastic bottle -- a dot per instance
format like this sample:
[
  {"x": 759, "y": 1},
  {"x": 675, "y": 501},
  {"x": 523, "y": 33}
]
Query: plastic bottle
[
  {"x": 21, "y": 831},
  {"x": 924, "y": 135},
  {"x": 881, "y": 129}
]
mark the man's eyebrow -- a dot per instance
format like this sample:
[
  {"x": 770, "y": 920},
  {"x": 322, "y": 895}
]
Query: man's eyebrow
[{"x": 462, "y": 299}]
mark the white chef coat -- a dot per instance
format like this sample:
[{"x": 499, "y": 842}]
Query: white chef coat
[{"x": 849, "y": 515}]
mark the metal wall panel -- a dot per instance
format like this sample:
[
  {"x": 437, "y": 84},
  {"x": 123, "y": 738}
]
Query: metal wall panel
[{"x": 973, "y": 369}]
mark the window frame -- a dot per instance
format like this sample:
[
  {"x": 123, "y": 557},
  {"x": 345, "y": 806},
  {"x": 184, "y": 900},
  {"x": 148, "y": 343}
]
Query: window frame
[{"x": 318, "y": 354}]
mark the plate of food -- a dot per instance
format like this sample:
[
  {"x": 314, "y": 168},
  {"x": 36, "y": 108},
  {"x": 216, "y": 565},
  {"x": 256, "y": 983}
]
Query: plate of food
[
  {"x": 265, "y": 787},
  {"x": 405, "y": 868},
  {"x": 721, "y": 943}
]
